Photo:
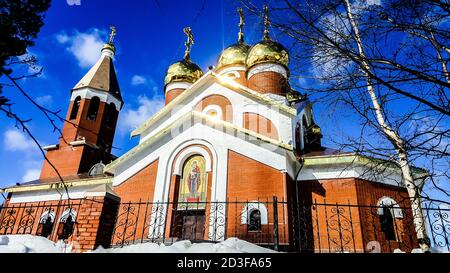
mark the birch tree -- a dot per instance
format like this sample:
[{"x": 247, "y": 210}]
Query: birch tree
[{"x": 388, "y": 62}]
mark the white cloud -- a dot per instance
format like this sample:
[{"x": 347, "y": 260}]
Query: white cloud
[
  {"x": 45, "y": 100},
  {"x": 31, "y": 175},
  {"x": 62, "y": 38},
  {"x": 85, "y": 46},
  {"x": 132, "y": 118},
  {"x": 138, "y": 80},
  {"x": 14, "y": 140}
]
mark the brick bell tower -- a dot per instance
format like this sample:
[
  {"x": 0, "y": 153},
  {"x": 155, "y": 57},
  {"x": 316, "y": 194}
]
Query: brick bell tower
[{"x": 91, "y": 120}]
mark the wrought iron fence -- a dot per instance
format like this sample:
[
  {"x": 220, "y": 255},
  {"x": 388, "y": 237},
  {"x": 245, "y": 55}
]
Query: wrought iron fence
[
  {"x": 55, "y": 221},
  {"x": 276, "y": 224},
  {"x": 280, "y": 225}
]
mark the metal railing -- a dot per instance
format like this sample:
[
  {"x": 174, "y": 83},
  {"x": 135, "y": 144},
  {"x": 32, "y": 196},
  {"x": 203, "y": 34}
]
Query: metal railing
[
  {"x": 280, "y": 225},
  {"x": 55, "y": 221},
  {"x": 272, "y": 223}
]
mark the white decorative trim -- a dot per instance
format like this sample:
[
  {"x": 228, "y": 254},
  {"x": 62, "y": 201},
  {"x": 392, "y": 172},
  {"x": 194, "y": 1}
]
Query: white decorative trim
[
  {"x": 190, "y": 151},
  {"x": 54, "y": 194},
  {"x": 108, "y": 53},
  {"x": 267, "y": 67},
  {"x": 164, "y": 176},
  {"x": 67, "y": 212},
  {"x": 177, "y": 85},
  {"x": 44, "y": 216},
  {"x": 232, "y": 69},
  {"x": 210, "y": 84},
  {"x": 89, "y": 93},
  {"x": 396, "y": 211},
  {"x": 215, "y": 108},
  {"x": 254, "y": 205},
  {"x": 340, "y": 171},
  {"x": 232, "y": 75}
]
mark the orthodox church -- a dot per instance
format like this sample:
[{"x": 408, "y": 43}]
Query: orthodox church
[{"x": 237, "y": 134}]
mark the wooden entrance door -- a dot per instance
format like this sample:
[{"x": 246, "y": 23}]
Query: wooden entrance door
[
  {"x": 188, "y": 225},
  {"x": 193, "y": 227}
]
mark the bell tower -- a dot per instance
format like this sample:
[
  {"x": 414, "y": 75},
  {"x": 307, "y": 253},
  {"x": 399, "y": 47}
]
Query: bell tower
[{"x": 88, "y": 132}]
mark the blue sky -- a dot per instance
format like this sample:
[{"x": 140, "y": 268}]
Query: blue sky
[{"x": 149, "y": 39}]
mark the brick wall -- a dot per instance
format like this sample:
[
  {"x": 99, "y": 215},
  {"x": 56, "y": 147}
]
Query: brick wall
[
  {"x": 139, "y": 187},
  {"x": 70, "y": 160},
  {"x": 221, "y": 101},
  {"x": 172, "y": 94},
  {"x": 250, "y": 180},
  {"x": 261, "y": 125},
  {"x": 94, "y": 223},
  {"x": 268, "y": 82},
  {"x": 364, "y": 226}
]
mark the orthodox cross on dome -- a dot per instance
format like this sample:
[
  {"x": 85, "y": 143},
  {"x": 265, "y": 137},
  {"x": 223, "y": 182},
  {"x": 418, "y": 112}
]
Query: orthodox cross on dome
[
  {"x": 241, "y": 25},
  {"x": 112, "y": 35},
  {"x": 266, "y": 23},
  {"x": 188, "y": 43}
]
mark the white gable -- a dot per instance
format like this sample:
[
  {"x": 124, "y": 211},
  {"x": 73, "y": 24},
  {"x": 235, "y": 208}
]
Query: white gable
[{"x": 241, "y": 103}]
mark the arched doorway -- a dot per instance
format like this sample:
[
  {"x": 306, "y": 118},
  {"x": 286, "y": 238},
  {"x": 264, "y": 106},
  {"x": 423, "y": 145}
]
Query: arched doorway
[{"x": 189, "y": 215}]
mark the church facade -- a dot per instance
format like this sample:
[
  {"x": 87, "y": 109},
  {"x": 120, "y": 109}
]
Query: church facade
[{"x": 231, "y": 141}]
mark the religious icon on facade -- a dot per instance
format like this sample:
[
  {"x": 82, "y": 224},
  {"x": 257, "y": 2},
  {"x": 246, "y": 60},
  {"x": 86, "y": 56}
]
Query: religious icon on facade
[
  {"x": 192, "y": 191},
  {"x": 193, "y": 178}
]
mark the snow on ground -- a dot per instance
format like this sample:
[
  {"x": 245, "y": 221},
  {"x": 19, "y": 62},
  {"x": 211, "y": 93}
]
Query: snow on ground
[
  {"x": 30, "y": 244},
  {"x": 37, "y": 244},
  {"x": 231, "y": 245},
  {"x": 432, "y": 250}
]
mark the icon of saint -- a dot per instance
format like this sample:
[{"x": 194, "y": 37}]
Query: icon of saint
[{"x": 193, "y": 179}]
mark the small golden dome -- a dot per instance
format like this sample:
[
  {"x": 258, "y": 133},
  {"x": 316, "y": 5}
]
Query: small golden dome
[
  {"x": 267, "y": 51},
  {"x": 234, "y": 54},
  {"x": 110, "y": 47},
  {"x": 183, "y": 71}
]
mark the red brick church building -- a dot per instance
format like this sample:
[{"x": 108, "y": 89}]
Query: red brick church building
[{"x": 234, "y": 152}]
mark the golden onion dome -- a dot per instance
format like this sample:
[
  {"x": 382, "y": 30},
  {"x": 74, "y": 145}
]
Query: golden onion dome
[
  {"x": 267, "y": 51},
  {"x": 233, "y": 55},
  {"x": 183, "y": 71}
]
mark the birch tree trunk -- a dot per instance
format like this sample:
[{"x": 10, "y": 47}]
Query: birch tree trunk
[{"x": 394, "y": 138}]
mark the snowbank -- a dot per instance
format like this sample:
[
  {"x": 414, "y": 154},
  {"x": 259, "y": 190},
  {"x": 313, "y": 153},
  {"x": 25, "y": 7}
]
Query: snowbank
[
  {"x": 418, "y": 250},
  {"x": 232, "y": 245},
  {"x": 30, "y": 244},
  {"x": 37, "y": 244}
]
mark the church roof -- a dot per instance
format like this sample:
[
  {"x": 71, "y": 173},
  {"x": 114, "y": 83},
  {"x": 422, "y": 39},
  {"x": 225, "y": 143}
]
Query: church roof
[
  {"x": 212, "y": 76},
  {"x": 102, "y": 76},
  {"x": 196, "y": 117}
]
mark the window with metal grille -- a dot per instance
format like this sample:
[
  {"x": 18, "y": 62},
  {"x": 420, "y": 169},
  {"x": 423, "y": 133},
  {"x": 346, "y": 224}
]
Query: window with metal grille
[{"x": 254, "y": 221}]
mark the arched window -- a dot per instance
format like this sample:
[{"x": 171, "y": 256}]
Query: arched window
[
  {"x": 254, "y": 220},
  {"x": 388, "y": 211},
  {"x": 111, "y": 114},
  {"x": 75, "y": 108},
  {"x": 254, "y": 215},
  {"x": 93, "y": 109},
  {"x": 387, "y": 224},
  {"x": 66, "y": 224},
  {"x": 46, "y": 223}
]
